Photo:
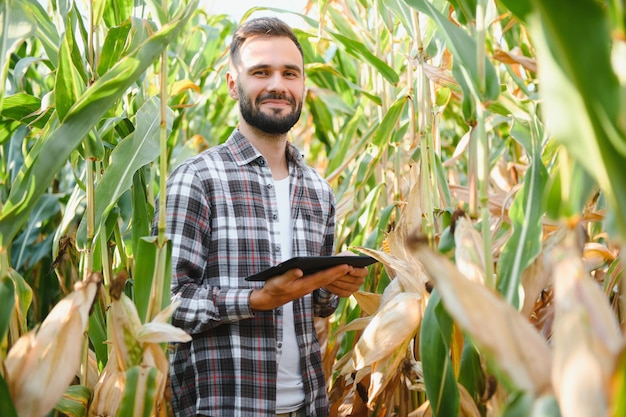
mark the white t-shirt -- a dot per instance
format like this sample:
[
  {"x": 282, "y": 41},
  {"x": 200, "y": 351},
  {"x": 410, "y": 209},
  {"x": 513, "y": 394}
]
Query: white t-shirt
[{"x": 289, "y": 385}]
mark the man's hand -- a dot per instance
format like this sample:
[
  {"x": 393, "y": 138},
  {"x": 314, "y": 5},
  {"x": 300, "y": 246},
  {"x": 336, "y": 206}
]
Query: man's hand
[
  {"x": 348, "y": 284},
  {"x": 293, "y": 284}
]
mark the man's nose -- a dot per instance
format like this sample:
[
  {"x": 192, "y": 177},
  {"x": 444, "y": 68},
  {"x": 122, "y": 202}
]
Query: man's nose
[{"x": 276, "y": 83}]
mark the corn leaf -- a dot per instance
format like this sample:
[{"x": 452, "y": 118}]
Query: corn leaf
[
  {"x": 581, "y": 92},
  {"x": 497, "y": 329},
  {"x": 46, "y": 30},
  {"x": 114, "y": 45},
  {"x": 7, "y": 302},
  {"x": 98, "y": 330},
  {"x": 140, "y": 392},
  {"x": 526, "y": 213},
  {"x": 24, "y": 298},
  {"x": 24, "y": 108},
  {"x": 48, "y": 158},
  {"x": 435, "y": 338},
  {"x": 463, "y": 48},
  {"x": 15, "y": 26},
  {"x": 74, "y": 401},
  {"x": 69, "y": 82},
  {"x": 146, "y": 269},
  {"x": 117, "y": 11},
  {"x": 143, "y": 210},
  {"x": 130, "y": 155},
  {"x": 7, "y": 409}
]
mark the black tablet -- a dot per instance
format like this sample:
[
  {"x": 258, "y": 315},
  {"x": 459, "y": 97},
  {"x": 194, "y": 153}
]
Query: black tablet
[{"x": 310, "y": 264}]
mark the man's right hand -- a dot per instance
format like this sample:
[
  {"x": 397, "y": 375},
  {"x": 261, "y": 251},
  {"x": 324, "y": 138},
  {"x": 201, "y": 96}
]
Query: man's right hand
[{"x": 291, "y": 285}]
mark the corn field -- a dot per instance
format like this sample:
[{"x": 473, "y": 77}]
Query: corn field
[{"x": 477, "y": 149}]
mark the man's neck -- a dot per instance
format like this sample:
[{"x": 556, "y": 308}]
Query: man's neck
[{"x": 271, "y": 146}]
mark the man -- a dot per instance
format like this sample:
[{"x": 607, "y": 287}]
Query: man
[{"x": 235, "y": 210}]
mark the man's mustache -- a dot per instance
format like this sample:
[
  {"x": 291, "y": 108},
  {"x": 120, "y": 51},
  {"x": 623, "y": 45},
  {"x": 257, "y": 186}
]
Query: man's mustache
[{"x": 271, "y": 96}]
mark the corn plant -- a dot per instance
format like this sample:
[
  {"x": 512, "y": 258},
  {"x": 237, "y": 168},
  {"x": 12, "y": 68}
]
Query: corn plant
[
  {"x": 475, "y": 150},
  {"x": 507, "y": 241}
]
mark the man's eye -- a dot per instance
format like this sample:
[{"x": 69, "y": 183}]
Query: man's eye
[{"x": 259, "y": 73}]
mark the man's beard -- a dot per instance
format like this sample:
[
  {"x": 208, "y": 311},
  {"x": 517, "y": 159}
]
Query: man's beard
[{"x": 269, "y": 123}]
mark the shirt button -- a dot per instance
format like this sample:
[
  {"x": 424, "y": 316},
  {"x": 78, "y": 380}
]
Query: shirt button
[
  {"x": 274, "y": 216},
  {"x": 261, "y": 161},
  {"x": 279, "y": 311},
  {"x": 280, "y": 345},
  {"x": 270, "y": 186}
]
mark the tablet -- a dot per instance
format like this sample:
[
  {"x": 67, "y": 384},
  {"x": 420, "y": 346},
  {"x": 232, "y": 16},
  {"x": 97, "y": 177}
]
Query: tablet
[{"x": 311, "y": 264}]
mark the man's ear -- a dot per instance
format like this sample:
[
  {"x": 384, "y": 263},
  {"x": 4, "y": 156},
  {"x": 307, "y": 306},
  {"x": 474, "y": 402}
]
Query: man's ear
[{"x": 231, "y": 81}]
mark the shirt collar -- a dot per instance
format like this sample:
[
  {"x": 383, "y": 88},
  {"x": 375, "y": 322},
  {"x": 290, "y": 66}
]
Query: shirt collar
[{"x": 245, "y": 153}]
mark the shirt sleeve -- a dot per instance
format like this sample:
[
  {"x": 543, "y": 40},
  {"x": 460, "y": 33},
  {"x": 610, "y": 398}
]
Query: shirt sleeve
[{"x": 202, "y": 306}]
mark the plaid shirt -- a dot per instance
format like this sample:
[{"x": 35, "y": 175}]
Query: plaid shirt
[{"x": 222, "y": 221}]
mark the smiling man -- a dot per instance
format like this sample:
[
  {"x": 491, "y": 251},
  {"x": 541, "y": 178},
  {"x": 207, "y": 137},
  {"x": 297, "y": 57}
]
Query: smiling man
[{"x": 235, "y": 210}]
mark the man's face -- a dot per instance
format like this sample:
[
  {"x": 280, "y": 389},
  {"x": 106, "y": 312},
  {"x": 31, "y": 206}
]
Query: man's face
[{"x": 268, "y": 81}]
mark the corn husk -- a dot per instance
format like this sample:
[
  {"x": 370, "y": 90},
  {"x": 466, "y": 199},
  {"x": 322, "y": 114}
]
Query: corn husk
[
  {"x": 136, "y": 348},
  {"x": 42, "y": 363},
  {"x": 587, "y": 339},
  {"x": 394, "y": 324},
  {"x": 498, "y": 330},
  {"x": 109, "y": 389},
  {"x": 469, "y": 253}
]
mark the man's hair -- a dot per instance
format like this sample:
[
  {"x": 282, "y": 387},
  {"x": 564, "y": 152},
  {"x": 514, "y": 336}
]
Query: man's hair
[{"x": 262, "y": 26}]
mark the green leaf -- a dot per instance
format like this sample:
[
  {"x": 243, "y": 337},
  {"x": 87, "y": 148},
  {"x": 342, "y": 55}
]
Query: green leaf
[
  {"x": 581, "y": 92},
  {"x": 520, "y": 8},
  {"x": 117, "y": 11},
  {"x": 74, "y": 401},
  {"x": 134, "y": 152},
  {"x": 35, "y": 177},
  {"x": 463, "y": 48},
  {"x": 346, "y": 142},
  {"x": 69, "y": 84},
  {"x": 148, "y": 258},
  {"x": 465, "y": 10},
  {"x": 24, "y": 298},
  {"x": 7, "y": 409},
  {"x": 403, "y": 13},
  {"x": 22, "y": 250},
  {"x": 46, "y": 29},
  {"x": 15, "y": 26},
  {"x": 139, "y": 392},
  {"x": 526, "y": 215},
  {"x": 7, "y": 302},
  {"x": 580, "y": 186},
  {"x": 471, "y": 374},
  {"x": 24, "y": 108},
  {"x": 435, "y": 336},
  {"x": 360, "y": 51},
  {"x": 142, "y": 211},
  {"x": 389, "y": 123},
  {"x": 322, "y": 117},
  {"x": 114, "y": 46},
  {"x": 98, "y": 331}
]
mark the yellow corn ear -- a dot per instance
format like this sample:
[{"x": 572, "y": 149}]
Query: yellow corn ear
[
  {"x": 42, "y": 364},
  {"x": 394, "y": 324},
  {"x": 109, "y": 390}
]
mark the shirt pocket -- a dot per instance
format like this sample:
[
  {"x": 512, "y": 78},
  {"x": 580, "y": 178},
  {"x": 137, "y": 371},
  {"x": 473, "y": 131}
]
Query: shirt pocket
[{"x": 310, "y": 227}]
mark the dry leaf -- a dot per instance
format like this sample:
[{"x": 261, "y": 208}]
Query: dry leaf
[{"x": 498, "y": 330}]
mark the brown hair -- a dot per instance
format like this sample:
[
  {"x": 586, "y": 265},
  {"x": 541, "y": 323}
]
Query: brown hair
[{"x": 262, "y": 26}]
